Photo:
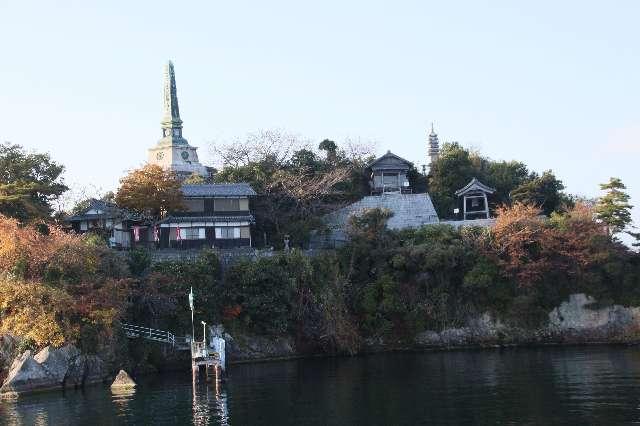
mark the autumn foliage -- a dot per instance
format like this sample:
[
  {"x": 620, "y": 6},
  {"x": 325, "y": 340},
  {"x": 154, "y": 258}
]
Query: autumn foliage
[
  {"x": 529, "y": 246},
  {"x": 151, "y": 191},
  {"x": 57, "y": 287}
]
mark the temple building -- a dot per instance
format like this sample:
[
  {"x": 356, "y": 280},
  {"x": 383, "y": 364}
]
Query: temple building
[
  {"x": 389, "y": 174},
  {"x": 172, "y": 151},
  {"x": 475, "y": 201},
  {"x": 390, "y": 190}
]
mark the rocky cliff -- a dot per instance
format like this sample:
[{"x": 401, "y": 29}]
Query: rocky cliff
[{"x": 574, "y": 321}]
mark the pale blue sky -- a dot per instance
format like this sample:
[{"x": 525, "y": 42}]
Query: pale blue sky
[{"x": 553, "y": 84}]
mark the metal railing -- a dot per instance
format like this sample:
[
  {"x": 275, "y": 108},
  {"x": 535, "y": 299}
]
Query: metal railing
[{"x": 134, "y": 331}]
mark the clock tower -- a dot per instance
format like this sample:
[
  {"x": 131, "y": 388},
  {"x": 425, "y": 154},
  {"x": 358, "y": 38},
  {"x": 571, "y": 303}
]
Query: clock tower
[{"x": 172, "y": 151}]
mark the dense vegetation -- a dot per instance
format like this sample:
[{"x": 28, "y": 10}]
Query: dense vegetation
[
  {"x": 512, "y": 181},
  {"x": 57, "y": 287}
]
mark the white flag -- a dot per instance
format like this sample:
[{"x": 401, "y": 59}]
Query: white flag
[{"x": 191, "y": 298}]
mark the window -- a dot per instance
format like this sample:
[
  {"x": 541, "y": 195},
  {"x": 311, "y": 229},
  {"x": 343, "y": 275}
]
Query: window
[
  {"x": 192, "y": 233},
  {"x": 227, "y": 233},
  {"x": 227, "y": 204}
]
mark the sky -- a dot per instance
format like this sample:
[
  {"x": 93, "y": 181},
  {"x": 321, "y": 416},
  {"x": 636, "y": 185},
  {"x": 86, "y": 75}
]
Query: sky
[{"x": 553, "y": 84}]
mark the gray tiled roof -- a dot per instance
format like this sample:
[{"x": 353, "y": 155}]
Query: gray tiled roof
[
  {"x": 475, "y": 185},
  {"x": 180, "y": 219},
  {"x": 218, "y": 190},
  {"x": 109, "y": 211},
  {"x": 388, "y": 161}
]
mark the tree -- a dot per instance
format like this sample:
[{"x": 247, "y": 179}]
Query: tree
[
  {"x": 613, "y": 209},
  {"x": 29, "y": 183},
  {"x": 295, "y": 185},
  {"x": 453, "y": 170},
  {"x": 504, "y": 176},
  {"x": 330, "y": 148},
  {"x": 150, "y": 191},
  {"x": 195, "y": 179},
  {"x": 543, "y": 191}
]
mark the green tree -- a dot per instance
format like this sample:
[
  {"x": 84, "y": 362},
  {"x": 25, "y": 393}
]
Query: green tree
[
  {"x": 504, "y": 176},
  {"x": 453, "y": 170},
  {"x": 29, "y": 183},
  {"x": 613, "y": 209},
  {"x": 330, "y": 148},
  {"x": 543, "y": 191}
]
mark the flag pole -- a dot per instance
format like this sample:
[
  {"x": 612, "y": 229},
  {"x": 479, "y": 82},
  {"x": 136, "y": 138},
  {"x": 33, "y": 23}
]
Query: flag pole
[{"x": 193, "y": 332}]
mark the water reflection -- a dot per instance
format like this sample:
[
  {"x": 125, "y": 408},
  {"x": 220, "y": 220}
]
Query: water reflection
[
  {"x": 209, "y": 403},
  {"x": 595, "y": 385},
  {"x": 121, "y": 398}
]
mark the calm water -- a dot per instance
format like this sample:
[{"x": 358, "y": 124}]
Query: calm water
[{"x": 595, "y": 385}]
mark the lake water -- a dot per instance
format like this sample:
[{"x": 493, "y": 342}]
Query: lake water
[{"x": 579, "y": 386}]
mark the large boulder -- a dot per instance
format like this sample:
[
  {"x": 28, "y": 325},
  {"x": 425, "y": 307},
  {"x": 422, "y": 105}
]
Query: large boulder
[
  {"x": 26, "y": 375},
  {"x": 56, "y": 361},
  {"x": 53, "y": 368},
  {"x": 8, "y": 352}
]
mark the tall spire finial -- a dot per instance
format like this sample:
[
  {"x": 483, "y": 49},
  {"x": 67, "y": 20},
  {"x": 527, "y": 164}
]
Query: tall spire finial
[{"x": 171, "y": 122}]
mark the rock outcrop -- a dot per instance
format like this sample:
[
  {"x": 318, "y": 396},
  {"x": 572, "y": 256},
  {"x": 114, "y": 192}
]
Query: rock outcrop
[
  {"x": 244, "y": 348},
  {"x": 53, "y": 368},
  {"x": 123, "y": 380},
  {"x": 576, "y": 320}
]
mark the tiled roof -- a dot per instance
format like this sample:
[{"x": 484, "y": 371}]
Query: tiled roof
[
  {"x": 388, "y": 156},
  {"x": 218, "y": 190},
  {"x": 109, "y": 211},
  {"x": 475, "y": 185},
  {"x": 179, "y": 219}
]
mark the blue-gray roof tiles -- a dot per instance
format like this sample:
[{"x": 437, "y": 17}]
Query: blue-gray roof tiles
[{"x": 218, "y": 190}]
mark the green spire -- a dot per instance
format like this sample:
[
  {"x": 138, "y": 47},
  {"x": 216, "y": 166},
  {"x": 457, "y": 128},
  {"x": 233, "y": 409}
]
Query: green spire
[{"x": 171, "y": 122}]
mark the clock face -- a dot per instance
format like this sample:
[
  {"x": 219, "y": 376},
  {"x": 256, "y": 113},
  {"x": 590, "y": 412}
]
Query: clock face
[
  {"x": 160, "y": 155},
  {"x": 185, "y": 155}
]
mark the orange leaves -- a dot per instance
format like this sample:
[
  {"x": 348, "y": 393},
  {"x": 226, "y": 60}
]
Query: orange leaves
[
  {"x": 529, "y": 246},
  {"x": 231, "y": 312},
  {"x": 27, "y": 249},
  {"x": 56, "y": 286},
  {"x": 151, "y": 191}
]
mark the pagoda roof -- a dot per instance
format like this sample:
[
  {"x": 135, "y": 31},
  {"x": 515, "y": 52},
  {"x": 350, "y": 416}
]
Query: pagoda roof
[{"x": 475, "y": 185}]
